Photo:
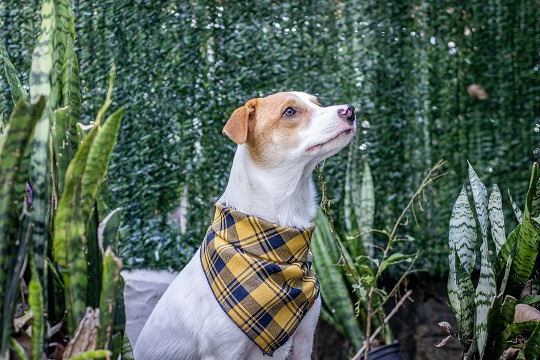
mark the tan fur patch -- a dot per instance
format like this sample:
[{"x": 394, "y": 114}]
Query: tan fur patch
[{"x": 270, "y": 134}]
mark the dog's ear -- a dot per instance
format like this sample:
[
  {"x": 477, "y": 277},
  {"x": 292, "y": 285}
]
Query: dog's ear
[{"x": 237, "y": 126}]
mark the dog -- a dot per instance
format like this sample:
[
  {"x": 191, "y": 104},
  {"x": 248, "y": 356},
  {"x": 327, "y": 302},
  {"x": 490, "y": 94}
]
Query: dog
[{"x": 281, "y": 138}]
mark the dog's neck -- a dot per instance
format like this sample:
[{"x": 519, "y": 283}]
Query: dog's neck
[{"x": 284, "y": 195}]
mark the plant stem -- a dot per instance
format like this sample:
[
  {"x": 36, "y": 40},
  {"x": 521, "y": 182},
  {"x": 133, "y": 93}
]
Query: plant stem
[{"x": 386, "y": 320}]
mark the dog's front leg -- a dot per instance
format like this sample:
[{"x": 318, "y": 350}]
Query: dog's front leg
[{"x": 303, "y": 336}]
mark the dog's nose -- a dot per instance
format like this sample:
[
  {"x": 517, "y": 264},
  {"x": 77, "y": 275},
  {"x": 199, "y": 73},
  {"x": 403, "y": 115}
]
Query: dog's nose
[{"x": 347, "y": 112}]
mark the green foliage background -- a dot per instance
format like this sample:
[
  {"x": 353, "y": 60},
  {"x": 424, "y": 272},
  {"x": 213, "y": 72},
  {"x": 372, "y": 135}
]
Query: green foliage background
[{"x": 185, "y": 66}]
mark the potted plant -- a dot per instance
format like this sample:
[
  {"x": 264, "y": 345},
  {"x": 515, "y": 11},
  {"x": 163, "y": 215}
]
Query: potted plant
[{"x": 497, "y": 317}]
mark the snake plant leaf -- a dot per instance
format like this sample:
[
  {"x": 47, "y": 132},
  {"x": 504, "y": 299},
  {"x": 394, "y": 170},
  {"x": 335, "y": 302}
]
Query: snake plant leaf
[
  {"x": 348, "y": 202},
  {"x": 13, "y": 168},
  {"x": 462, "y": 233},
  {"x": 19, "y": 350},
  {"x": 367, "y": 211},
  {"x": 127, "y": 351},
  {"x": 36, "y": 302},
  {"x": 17, "y": 90},
  {"x": 486, "y": 290},
  {"x": 43, "y": 55},
  {"x": 70, "y": 82},
  {"x": 40, "y": 84},
  {"x": 452, "y": 286},
  {"x": 496, "y": 217},
  {"x": 71, "y": 93},
  {"x": 465, "y": 296},
  {"x": 119, "y": 324},
  {"x": 508, "y": 251},
  {"x": 61, "y": 146},
  {"x": 69, "y": 235},
  {"x": 500, "y": 317},
  {"x": 108, "y": 231},
  {"x": 523, "y": 264},
  {"x": 532, "y": 347},
  {"x": 98, "y": 161},
  {"x": 517, "y": 210},
  {"x": 479, "y": 192},
  {"x": 359, "y": 204},
  {"x": 92, "y": 354},
  {"x": 535, "y": 207},
  {"x": 333, "y": 286},
  {"x": 63, "y": 32},
  {"x": 111, "y": 273}
]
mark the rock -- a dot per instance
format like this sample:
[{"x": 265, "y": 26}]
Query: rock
[{"x": 143, "y": 290}]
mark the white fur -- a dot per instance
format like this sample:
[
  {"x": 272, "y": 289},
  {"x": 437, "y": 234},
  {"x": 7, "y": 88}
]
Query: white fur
[{"x": 187, "y": 322}]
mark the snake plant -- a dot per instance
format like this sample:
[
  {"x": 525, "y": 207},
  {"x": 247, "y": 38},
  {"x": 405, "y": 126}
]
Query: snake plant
[
  {"x": 59, "y": 274},
  {"x": 497, "y": 318}
]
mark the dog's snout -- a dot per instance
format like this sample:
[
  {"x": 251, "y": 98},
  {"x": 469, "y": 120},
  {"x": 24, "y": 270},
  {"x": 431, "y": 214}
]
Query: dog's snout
[{"x": 347, "y": 112}]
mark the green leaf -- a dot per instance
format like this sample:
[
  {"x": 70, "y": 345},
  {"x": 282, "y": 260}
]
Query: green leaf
[
  {"x": 98, "y": 161},
  {"x": 462, "y": 233},
  {"x": 92, "y": 354},
  {"x": 108, "y": 231},
  {"x": 366, "y": 217},
  {"x": 111, "y": 273},
  {"x": 19, "y": 350},
  {"x": 486, "y": 290},
  {"x": 500, "y": 317},
  {"x": 532, "y": 347},
  {"x": 17, "y": 91},
  {"x": 524, "y": 262},
  {"x": 334, "y": 289},
  {"x": 83, "y": 177},
  {"x": 517, "y": 211},
  {"x": 392, "y": 260},
  {"x": 532, "y": 300},
  {"x": 13, "y": 172},
  {"x": 36, "y": 302},
  {"x": 43, "y": 57},
  {"x": 510, "y": 258},
  {"x": 40, "y": 85},
  {"x": 127, "y": 352},
  {"x": 466, "y": 296},
  {"x": 496, "y": 217},
  {"x": 61, "y": 145}
]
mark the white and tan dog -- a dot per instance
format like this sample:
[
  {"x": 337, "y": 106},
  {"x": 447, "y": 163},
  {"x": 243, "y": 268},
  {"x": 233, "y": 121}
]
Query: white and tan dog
[{"x": 281, "y": 138}]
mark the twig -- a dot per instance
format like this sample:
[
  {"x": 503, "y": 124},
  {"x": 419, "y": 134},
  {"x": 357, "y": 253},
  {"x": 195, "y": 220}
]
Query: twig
[{"x": 385, "y": 321}]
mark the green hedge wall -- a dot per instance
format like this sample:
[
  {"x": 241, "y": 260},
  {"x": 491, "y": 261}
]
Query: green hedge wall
[{"x": 184, "y": 66}]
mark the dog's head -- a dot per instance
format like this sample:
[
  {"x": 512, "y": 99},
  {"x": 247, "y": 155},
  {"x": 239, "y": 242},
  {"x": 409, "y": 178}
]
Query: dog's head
[{"x": 291, "y": 127}]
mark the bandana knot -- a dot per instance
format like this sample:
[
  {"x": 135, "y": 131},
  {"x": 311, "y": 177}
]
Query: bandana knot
[{"x": 260, "y": 274}]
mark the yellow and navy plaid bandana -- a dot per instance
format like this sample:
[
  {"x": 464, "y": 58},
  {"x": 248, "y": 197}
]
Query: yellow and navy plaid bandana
[{"x": 260, "y": 274}]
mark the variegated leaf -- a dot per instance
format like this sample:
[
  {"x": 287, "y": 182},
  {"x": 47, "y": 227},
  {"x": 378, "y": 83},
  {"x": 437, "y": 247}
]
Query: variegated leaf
[
  {"x": 532, "y": 348},
  {"x": 462, "y": 234},
  {"x": 496, "y": 217},
  {"x": 17, "y": 91},
  {"x": 467, "y": 304},
  {"x": 453, "y": 289},
  {"x": 367, "y": 209},
  {"x": 485, "y": 292},
  {"x": 500, "y": 318},
  {"x": 480, "y": 201},
  {"x": 40, "y": 84},
  {"x": 517, "y": 210},
  {"x": 509, "y": 250}
]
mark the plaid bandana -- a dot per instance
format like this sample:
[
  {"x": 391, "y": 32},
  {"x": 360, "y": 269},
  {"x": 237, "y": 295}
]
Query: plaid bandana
[{"x": 261, "y": 275}]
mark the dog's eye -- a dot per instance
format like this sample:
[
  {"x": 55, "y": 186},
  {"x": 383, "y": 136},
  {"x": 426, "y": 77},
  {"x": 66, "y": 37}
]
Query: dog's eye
[{"x": 289, "y": 112}]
